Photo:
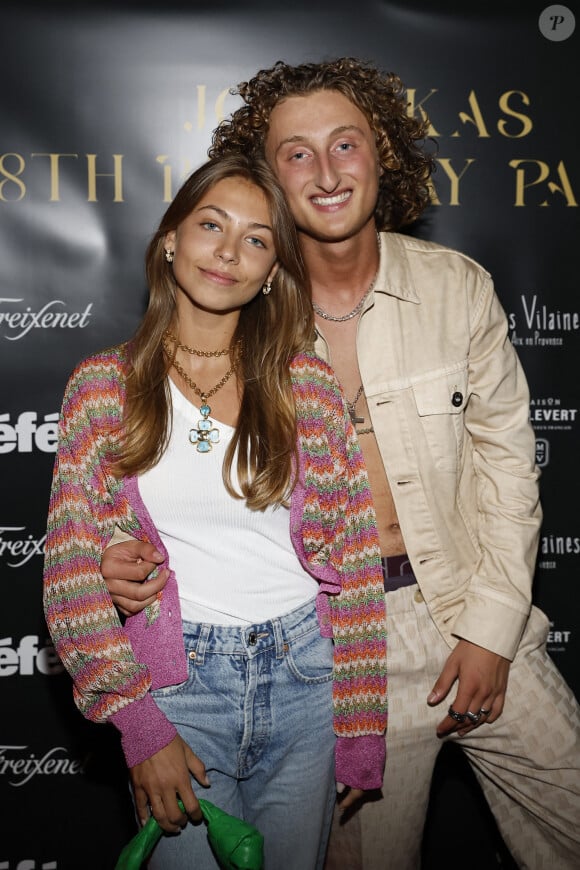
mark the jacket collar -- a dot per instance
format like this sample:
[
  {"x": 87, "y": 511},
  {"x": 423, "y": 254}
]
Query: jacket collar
[{"x": 395, "y": 277}]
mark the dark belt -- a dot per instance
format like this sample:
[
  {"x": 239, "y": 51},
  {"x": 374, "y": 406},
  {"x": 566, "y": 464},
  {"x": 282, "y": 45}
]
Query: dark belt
[{"x": 397, "y": 572}]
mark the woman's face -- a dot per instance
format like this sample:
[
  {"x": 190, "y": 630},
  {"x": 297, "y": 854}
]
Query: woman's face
[{"x": 224, "y": 250}]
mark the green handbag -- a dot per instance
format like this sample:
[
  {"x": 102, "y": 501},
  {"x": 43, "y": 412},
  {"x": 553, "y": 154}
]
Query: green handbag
[{"x": 237, "y": 845}]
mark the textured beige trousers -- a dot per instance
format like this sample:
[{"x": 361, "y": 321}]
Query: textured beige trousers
[{"x": 528, "y": 762}]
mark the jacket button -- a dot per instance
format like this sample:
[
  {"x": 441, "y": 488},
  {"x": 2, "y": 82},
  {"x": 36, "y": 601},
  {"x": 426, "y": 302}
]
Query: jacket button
[
  {"x": 419, "y": 596},
  {"x": 457, "y": 399}
]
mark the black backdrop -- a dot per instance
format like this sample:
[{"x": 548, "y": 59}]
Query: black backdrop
[{"x": 105, "y": 108}]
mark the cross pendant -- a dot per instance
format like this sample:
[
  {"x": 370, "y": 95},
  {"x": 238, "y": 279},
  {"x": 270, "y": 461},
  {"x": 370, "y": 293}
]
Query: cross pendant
[
  {"x": 206, "y": 433},
  {"x": 354, "y": 418}
]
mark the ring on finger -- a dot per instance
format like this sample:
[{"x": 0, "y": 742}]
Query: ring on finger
[
  {"x": 484, "y": 712},
  {"x": 459, "y": 717},
  {"x": 473, "y": 717}
]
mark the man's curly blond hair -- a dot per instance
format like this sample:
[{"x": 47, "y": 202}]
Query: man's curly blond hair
[{"x": 406, "y": 167}]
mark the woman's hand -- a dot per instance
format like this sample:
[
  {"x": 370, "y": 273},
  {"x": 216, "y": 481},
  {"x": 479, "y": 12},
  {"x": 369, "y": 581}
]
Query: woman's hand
[
  {"x": 161, "y": 779},
  {"x": 125, "y": 567},
  {"x": 347, "y": 796}
]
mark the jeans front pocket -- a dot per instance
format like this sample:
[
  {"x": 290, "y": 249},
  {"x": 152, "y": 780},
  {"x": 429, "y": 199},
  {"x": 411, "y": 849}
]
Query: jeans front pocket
[
  {"x": 178, "y": 689},
  {"x": 309, "y": 657}
]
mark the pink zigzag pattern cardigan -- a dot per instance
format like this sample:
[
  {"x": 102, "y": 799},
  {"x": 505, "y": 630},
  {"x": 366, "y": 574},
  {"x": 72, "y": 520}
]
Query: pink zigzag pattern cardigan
[{"x": 333, "y": 528}]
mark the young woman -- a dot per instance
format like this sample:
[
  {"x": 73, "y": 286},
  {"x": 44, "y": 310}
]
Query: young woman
[{"x": 216, "y": 435}]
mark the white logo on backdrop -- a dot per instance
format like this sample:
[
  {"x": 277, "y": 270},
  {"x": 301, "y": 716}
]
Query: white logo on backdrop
[
  {"x": 19, "y": 767},
  {"x": 28, "y": 657},
  {"x": 19, "y": 323},
  {"x": 27, "y": 434},
  {"x": 548, "y": 413},
  {"x": 19, "y": 550},
  {"x": 542, "y": 325},
  {"x": 560, "y": 545},
  {"x": 29, "y": 864},
  {"x": 558, "y": 635},
  {"x": 542, "y": 452}
]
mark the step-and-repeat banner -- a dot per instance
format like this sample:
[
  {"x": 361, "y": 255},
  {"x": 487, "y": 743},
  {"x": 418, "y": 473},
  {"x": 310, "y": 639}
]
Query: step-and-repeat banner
[{"x": 105, "y": 108}]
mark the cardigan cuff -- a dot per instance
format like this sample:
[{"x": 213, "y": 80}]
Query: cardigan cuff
[
  {"x": 144, "y": 729},
  {"x": 360, "y": 761}
]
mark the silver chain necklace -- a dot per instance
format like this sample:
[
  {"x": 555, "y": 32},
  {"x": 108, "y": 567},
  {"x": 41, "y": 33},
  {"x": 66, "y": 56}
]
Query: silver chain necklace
[
  {"x": 358, "y": 307},
  {"x": 356, "y": 420},
  {"x": 352, "y": 407}
]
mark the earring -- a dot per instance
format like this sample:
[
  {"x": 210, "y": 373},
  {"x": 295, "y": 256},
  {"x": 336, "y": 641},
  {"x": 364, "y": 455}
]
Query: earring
[
  {"x": 169, "y": 256},
  {"x": 266, "y": 288}
]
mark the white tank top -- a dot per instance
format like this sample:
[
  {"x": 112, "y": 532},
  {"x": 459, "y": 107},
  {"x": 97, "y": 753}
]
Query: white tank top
[{"x": 233, "y": 565}]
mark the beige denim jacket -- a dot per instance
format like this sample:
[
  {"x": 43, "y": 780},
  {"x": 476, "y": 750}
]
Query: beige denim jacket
[{"x": 449, "y": 404}]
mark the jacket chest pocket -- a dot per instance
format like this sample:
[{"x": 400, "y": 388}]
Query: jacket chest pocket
[{"x": 440, "y": 403}]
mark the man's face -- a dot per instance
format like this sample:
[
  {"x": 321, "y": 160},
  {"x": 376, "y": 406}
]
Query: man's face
[{"x": 323, "y": 151}]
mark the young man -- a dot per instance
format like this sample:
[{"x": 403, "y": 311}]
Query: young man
[{"x": 419, "y": 342}]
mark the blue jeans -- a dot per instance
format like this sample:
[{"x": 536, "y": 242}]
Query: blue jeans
[{"x": 257, "y": 709}]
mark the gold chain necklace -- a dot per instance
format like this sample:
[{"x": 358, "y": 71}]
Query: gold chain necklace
[
  {"x": 206, "y": 434},
  {"x": 204, "y": 395},
  {"x": 193, "y": 350}
]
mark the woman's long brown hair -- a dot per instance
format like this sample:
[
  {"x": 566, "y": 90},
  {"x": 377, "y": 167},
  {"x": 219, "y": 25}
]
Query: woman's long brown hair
[{"x": 272, "y": 328}]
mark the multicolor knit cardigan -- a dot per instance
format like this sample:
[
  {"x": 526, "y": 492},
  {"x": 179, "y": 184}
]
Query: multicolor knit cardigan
[{"x": 333, "y": 530}]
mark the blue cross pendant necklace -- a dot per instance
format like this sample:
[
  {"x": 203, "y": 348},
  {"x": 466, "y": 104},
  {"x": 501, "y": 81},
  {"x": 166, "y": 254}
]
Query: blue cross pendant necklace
[{"x": 206, "y": 434}]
